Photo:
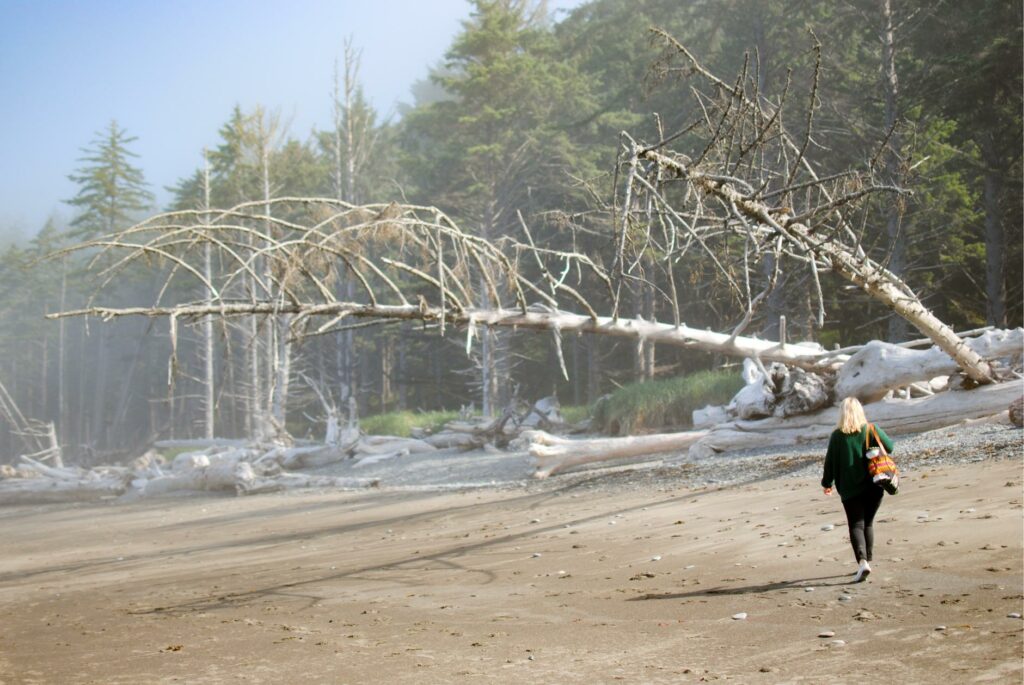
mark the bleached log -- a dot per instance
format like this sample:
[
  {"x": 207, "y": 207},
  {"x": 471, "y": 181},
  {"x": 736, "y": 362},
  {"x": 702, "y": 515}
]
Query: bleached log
[
  {"x": 217, "y": 476},
  {"x": 757, "y": 398},
  {"x": 313, "y": 457},
  {"x": 879, "y": 366},
  {"x": 48, "y": 490},
  {"x": 384, "y": 444},
  {"x": 554, "y": 454},
  {"x": 64, "y": 474},
  {"x": 798, "y": 354},
  {"x": 895, "y": 416},
  {"x": 447, "y": 439},
  {"x": 188, "y": 461}
]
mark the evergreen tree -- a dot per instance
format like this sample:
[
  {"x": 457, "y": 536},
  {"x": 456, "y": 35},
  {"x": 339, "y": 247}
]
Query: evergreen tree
[{"x": 112, "y": 191}]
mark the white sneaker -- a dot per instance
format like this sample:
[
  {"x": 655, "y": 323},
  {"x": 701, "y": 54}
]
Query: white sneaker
[{"x": 862, "y": 571}]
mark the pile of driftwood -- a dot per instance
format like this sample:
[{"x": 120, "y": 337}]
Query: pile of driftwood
[
  {"x": 905, "y": 389},
  {"x": 247, "y": 468}
]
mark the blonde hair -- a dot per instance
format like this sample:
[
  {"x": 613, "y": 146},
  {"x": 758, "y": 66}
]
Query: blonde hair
[{"x": 851, "y": 416}]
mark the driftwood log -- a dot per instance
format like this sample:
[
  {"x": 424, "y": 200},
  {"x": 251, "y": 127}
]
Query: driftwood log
[
  {"x": 554, "y": 454},
  {"x": 896, "y": 416},
  {"x": 879, "y": 366}
]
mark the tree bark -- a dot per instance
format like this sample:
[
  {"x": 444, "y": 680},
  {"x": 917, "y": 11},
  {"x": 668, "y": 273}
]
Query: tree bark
[{"x": 995, "y": 240}]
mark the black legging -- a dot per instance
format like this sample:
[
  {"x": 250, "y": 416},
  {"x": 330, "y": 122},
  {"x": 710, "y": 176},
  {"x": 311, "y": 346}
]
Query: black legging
[{"x": 860, "y": 514}]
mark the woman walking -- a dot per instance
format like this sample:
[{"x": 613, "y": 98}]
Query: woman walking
[{"x": 846, "y": 467}]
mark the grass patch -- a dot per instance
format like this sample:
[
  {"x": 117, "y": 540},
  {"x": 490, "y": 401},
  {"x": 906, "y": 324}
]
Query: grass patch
[
  {"x": 668, "y": 403},
  {"x": 401, "y": 423},
  {"x": 575, "y": 414}
]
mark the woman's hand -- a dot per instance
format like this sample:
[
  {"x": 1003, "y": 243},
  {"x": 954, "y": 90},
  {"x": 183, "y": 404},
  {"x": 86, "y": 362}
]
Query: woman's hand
[{"x": 828, "y": 492}]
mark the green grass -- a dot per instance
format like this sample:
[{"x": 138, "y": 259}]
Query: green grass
[
  {"x": 575, "y": 414},
  {"x": 400, "y": 423},
  {"x": 668, "y": 403}
]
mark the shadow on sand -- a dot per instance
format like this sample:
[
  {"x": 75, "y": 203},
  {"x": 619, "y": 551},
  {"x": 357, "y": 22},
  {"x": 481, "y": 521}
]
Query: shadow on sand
[{"x": 844, "y": 580}]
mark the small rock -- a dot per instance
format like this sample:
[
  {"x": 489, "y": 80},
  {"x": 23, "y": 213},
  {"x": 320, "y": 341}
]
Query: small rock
[
  {"x": 828, "y": 526},
  {"x": 845, "y": 598},
  {"x": 742, "y": 616},
  {"x": 657, "y": 557},
  {"x": 612, "y": 523},
  {"x": 808, "y": 589},
  {"x": 535, "y": 555},
  {"x": 534, "y": 520},
  {"x": 940, "y": 627},
  {"x": 827, "y": 633},
  {"x": 838, "y": 643},
  {"x": 1013, "y": 615},
  {"x": 690, "y": 566}
]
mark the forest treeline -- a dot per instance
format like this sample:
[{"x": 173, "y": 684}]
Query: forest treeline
[{"x": 521, "y": 124}]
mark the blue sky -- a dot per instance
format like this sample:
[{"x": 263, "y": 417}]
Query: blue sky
[{"x": 170, "y": 71}]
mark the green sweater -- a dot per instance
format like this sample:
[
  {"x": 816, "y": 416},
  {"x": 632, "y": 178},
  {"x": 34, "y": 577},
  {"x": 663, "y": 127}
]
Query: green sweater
[{"x": 844, "y": 461}]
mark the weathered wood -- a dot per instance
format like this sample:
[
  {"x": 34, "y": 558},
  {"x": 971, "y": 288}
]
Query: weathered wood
[
  {"x": 221, "y": 475},
  {"x": 48, "y": 490},
  {"x": 895, "y": 416},
  {"x": 554, "y": 454},
  {"x": 879, "y": 366}
]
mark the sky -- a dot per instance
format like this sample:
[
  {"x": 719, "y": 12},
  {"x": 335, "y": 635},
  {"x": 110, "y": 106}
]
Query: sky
[{"x": 170, "y": 71}]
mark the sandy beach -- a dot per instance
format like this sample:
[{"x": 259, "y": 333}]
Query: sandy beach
[{"x": 592, "y": 578}]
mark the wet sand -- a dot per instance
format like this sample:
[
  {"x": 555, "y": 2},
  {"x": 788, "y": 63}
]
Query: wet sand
[{"x": 560, "y": 584}]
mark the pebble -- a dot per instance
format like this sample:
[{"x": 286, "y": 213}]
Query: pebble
[
  {"x": 845, "y": 598},
  {"x": 612, "y": 523},
  {"x": 838, "y": 643},
  {"x": 1013, "y": 615},
  {"x": 690, "y": 566},
  {"x": 808, "y": 589},
  {"x": 742, "y": 616},
  {"x": 535, "y": 555},
  {"x": 657, "y": 557},
  {"x": 940, "y": 627},
  {"x": 828, "y": 526},
  {"x": 827, "y": 633},
  {"x": 534, "y": 520}
]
